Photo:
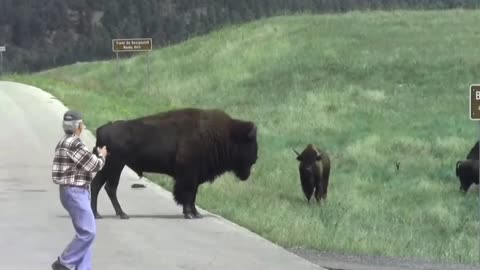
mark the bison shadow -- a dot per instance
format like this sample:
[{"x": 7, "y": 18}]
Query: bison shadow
[
  {"x": 292, "y": 198},
  {"x": 159, "y": 216},
  {"x": 295, "y": 199}
]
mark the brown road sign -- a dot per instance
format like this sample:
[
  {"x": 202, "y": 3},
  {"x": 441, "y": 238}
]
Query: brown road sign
[
  {"x": 132, "y": 45},
  {"x": 475, "y": 102}
]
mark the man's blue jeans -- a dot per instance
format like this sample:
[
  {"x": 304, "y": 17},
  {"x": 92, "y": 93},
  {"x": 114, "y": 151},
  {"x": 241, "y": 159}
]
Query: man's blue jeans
[{"x": 78, "y": 254}]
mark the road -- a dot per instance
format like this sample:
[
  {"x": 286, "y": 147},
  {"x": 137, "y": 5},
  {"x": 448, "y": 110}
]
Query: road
[{"x": 35, "y": 227}]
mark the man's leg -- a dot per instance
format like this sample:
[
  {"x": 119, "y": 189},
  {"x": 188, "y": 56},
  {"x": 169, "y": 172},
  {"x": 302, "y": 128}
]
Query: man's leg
[
  {"x": 76, "y": 201},
  {"x": 86, "y": 262}
]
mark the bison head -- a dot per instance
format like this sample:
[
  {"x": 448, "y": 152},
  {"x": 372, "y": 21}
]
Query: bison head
[
  {"x": 309, "y": 156},
  {"x": 244, "y": 138}
]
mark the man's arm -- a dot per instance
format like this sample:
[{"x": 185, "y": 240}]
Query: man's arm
[{"x": 85, "y": 159}]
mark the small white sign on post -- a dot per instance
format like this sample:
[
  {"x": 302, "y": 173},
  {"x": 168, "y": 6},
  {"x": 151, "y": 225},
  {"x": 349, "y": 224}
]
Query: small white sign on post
[
  {"x": 133, "y": 45},
  {"x": 3, "y": 48}
]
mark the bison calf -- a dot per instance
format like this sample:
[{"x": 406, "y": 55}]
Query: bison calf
[
  {"x": 193, "y": 146},
  {"x": 314, "y": 169},
  {"x": 467, "y": 173}
]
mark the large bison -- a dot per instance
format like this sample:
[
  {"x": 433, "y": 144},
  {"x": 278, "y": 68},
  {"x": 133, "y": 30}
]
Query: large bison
[{"x": 191, "y": 145}]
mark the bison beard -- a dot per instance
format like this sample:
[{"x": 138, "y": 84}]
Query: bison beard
[
  {"x": 314, "y": 170},
  {"x": 193, "y": 146}
]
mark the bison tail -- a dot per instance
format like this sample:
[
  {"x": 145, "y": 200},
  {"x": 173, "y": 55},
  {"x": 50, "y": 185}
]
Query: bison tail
[{"x": 100, "y": 140}]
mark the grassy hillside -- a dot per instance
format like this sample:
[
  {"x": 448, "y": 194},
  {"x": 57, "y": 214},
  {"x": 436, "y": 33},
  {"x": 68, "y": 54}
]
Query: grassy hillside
[{"x": 369, "y": 88}]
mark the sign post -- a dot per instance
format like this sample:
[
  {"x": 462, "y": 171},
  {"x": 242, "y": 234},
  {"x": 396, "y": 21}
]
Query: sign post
[
  {"x": 2, "y": 49},
  {"x": 133, "y": 45},
  {"x": 474, "y": 93}
]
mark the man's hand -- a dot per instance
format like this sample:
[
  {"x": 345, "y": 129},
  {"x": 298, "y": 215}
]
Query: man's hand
[{"x": 102, "y": 151}]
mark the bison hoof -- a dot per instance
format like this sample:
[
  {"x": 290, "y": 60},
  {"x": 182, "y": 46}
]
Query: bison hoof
[
  {"x": 197, "y": 215},
  {"x": 123, "y": 216},
  {"x": 188, "y": 215}
]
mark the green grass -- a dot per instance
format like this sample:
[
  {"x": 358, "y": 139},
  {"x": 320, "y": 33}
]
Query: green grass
[{"x": 369, "y": 88}]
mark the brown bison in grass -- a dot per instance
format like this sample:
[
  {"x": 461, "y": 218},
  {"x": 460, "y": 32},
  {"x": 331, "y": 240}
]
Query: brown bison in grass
[
  {"x": 467, "y": 170},
  {"x": 314, "y": 170},
  {"x": 467, "y": 173},
  {"x": 191, "y": 145}
]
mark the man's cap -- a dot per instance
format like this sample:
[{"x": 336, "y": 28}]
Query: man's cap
[{"x": 72, "y": 115}]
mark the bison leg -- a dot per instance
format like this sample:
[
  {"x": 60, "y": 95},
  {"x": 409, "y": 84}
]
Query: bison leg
[
  {"x": 97, "y": 183},
  {"x": 184, "y": 194},
  {"x": 323, "y": 189},
  {"x": 306, "y": 183},
  {"x": 188, "y": 210},
  {"x": 196, "y": 214},
  {"x": 318, "y": 190},
  {"x": 324, "y": 186},
  {"x": 111, "y": 189},
  {"x": 307, "y": 189},
  {"x": 325, "y": 179}
]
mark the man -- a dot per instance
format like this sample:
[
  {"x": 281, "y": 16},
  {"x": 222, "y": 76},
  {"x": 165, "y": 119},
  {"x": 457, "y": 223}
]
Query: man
[{"x": 73, "y": 166}]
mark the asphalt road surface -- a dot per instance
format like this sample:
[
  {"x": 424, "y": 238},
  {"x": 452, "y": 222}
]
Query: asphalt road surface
[{"x": 35, "y": 227}]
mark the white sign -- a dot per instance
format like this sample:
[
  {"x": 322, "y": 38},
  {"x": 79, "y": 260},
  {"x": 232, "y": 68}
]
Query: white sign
[
  {"x": 132, "y": 44},
  {"x": 3, "y": 48}
]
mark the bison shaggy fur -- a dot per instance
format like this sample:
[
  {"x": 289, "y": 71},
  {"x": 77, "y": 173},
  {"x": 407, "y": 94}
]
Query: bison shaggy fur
[
  {"x": 314, "y": 170},
  {"x": 467, "y": 173},
  {"x": 191, "y": 145}
]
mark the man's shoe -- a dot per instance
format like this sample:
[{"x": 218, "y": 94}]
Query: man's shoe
[{"x": 58, "y": 266}]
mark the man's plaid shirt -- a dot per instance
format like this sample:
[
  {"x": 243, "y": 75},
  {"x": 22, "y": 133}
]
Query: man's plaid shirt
[{"x": 73, "y": 164}]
